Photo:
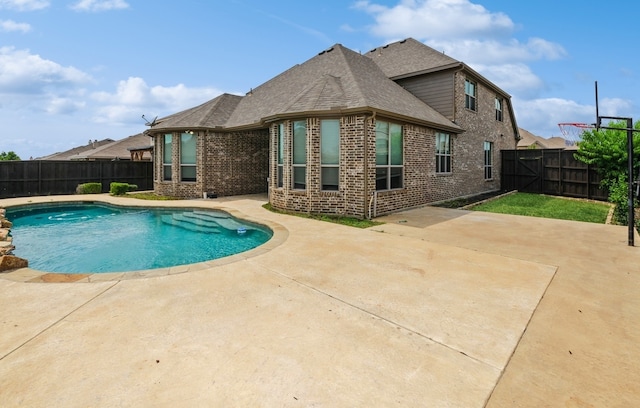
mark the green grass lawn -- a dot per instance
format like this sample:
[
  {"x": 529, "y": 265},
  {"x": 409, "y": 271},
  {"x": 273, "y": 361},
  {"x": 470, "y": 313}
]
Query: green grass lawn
[
  {"x": 536, "y": 205},
  {"x": 150, "y": 196}
]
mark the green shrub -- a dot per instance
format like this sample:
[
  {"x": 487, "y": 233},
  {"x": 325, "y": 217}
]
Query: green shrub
[
  {"x": 89, "y": 188},
  {"x": 619, "y": 196},
  {"x": 116, "y": 188}
]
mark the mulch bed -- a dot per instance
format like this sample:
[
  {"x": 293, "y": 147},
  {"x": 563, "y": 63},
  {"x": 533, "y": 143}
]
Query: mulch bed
[{"x": 463, "y": 202}]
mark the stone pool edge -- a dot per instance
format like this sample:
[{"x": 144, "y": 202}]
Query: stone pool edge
[{"x": 280, "y": 235}]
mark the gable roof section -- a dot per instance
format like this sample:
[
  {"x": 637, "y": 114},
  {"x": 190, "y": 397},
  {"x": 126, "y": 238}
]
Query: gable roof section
[
  {"x": 410, "y": 56},
  {"x": 337, "y": 80},
  {"x": 211, "y": 114},
  {"x": 528, "y": 139},
  {"x": 67, "y": 154},
  {"x": 119, "y": 149}
]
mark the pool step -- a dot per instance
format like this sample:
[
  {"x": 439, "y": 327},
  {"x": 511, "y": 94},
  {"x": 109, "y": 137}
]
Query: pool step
[
  {"x": 179, "y": 220},
  {"x": 221, "y": 219}
]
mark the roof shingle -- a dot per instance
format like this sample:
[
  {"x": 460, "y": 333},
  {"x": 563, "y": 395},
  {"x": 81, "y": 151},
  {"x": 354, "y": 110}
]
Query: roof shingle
[{"x": 409, "y": 56}]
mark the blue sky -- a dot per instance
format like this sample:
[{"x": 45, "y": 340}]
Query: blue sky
[{"x": 75, "y": 70}]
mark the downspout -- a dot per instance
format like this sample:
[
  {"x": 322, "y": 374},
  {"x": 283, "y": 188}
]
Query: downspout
[
  {"x": 203, "y": 163},
  {"x": 367, "y": 200}
]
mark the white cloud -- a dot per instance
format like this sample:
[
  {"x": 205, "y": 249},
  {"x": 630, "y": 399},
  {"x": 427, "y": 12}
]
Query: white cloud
[
  {"x": 24, "y": 5},
  {"x": 486, "y": 41},
  {"x": 436, "y": 19},
  {"x": 515, "y": 78},
  {"x": 133, "y": 98},
  {"x": 99, "y": 5},
  {"x": 26, "y": 73},
  {"x": 63, "y": 106},
  {"x": 10, "y": 25},
  {"x": 478, "y": 51},
  {"x": 614, "y": 107},
  {"x": 543, "y": 115}
]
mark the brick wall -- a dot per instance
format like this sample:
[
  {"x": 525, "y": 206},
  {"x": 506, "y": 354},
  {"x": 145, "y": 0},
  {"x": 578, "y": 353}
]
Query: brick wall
[
  {"x": 175, "y": 187},
  {"x": 421, "y": 183},
  {"x": 237, "y": 163},
  {"x": 226, "y": 164},
  {"x": 468, "y": 147}
]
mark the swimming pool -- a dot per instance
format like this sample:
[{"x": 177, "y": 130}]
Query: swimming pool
[{"x": 97, "y": 237}]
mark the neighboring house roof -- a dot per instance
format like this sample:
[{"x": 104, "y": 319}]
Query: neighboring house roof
[
  {"x": 66, "y": 155},
  {"x": 528, "y": 141},
  {"x": 336, "y": 81},
  {"x": 116, "y": 150},
  {"x": 211, "y": 114}
]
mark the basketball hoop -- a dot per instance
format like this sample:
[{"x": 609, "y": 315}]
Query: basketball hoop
[{"x": 572, "y": 132}]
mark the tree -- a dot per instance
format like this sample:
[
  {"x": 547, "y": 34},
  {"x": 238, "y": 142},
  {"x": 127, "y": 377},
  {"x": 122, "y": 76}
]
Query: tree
[
  {"x": 11, "y": 155},
  {"x": 606, "y": 149}
]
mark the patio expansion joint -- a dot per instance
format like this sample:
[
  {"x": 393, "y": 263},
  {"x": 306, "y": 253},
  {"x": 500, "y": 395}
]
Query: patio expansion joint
[
  {"x": 513, "y": 352},
  {"x": 55, "y": 323},
  {"x": 387, "y": 320}
]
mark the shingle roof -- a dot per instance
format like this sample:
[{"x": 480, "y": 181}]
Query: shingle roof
[
  {"x": 211, "y": 114},
  {"x": 119, "y": 149},
  {"x": 76, "y": 150},
  {"x": 528, "y": 139},
  {"x": 337, "y": 79},
  {"x": 409, "y": 56}
]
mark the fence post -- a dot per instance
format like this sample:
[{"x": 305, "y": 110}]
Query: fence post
[
  {"x": 39, "y": 177},
  {"x": 560, "y": 173}
]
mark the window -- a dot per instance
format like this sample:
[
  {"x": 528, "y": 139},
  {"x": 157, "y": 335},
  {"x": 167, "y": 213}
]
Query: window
[
  {"x": 488, "y": 160},
  {"x": 443, "y": 153},
  {"x": 470, "y": 95},
  {"x": 389, "y": 160},
  {"x": 167, "y": 157},
  {"x": 280, "y": 159},
  {"x": 187, "y": 157},
  {"x": 300, "y": 154},
  {"x": 330, "y": 154},
  {"x": 498, "y": 109}
]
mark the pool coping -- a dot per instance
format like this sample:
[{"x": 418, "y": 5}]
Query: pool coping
[{"x": 280, "y": 235}]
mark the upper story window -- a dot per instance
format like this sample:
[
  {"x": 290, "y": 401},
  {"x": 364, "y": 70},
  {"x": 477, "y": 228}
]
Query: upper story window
[
  {"x": 488, "y": 160},
  {"x": 470, "y": 95},
  {"x": 330, "y": 154},
  {"x": 280, "y": 158},
  {"x": 167, "y": 156},
  {"x": 498, "y": 109},
  {"x": 187, "y": 156},
  {"x": 389, "y": 156},
  {"x": 299, "y": 154},
  {"x": 443, "y": 153}
]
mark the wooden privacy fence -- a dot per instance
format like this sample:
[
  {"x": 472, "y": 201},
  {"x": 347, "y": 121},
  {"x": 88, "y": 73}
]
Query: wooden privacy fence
[
  {"x": 47, "y": 177},
  {"x": 550, "y": 171}
]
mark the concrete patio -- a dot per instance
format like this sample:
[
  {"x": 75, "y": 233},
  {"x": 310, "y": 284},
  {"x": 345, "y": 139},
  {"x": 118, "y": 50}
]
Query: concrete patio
[{"x": 435, "y": 308}]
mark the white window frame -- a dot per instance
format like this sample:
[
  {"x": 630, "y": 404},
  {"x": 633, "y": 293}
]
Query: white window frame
[
  {"x": 192, "y": 167},
  {"x": 470, "y": 95},
  {"x": 298, "y": 165},
  {"x": 167, "y": 166},
  {"x": 499, "y": 108},
  {"x": 390, "y": 169},
  {"x": 280, "y": 155},
  {"x": 324, "y": 164},
  {"x": 488, "y": 160},
  {"x": 443, "y": 153}
]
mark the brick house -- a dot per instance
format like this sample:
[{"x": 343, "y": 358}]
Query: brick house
[{"x": 344, "y": 133}]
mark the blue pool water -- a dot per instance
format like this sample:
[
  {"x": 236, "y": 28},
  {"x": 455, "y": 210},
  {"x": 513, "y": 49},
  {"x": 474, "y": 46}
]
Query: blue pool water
[{"x": 93, "y": 238}]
